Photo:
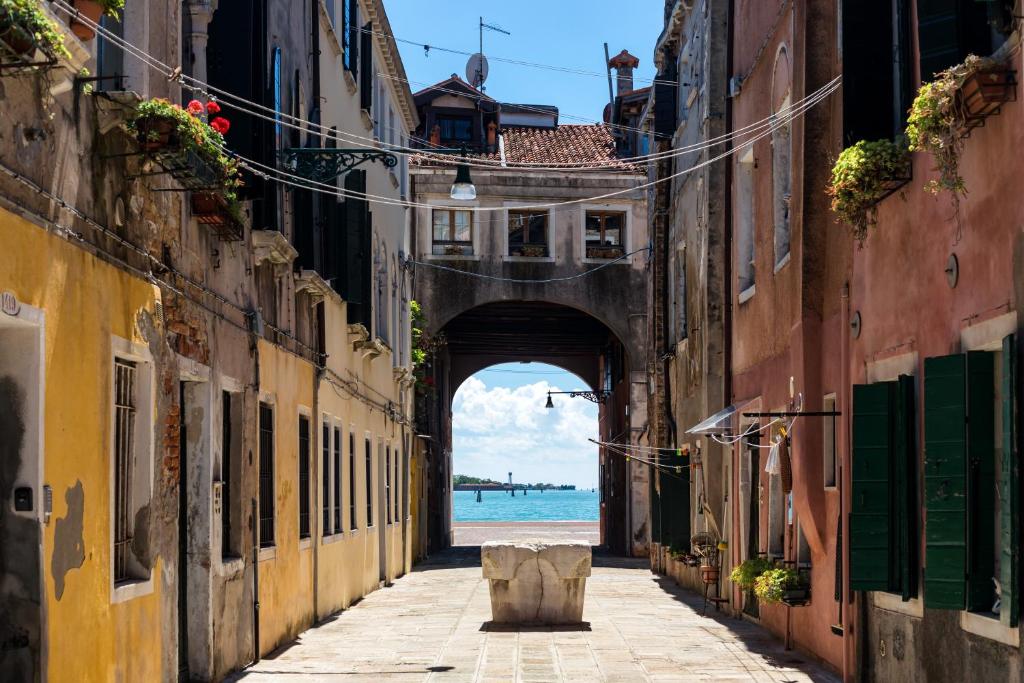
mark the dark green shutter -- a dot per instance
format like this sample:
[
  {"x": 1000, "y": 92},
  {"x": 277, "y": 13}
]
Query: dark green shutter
[
  {"x": 366, "y": 75},
  {"x": 945, "y": 490},
  {"x": 905, "y": 510},
  {"x": 357, "y": 249},
  {"x": 675, "y": 500},
  {"x": 948, "y": 31},
  {"x": 981, "y": 482},
  {"x": 1009, "y": 491},
  {"x": 869, "y": 509}
]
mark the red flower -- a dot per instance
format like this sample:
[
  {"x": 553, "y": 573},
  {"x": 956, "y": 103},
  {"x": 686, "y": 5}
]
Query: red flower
[
  {"x": 195, "y": 107},
  {"x": 212, "y": 107},
  {"x": 221, "y": 125}
]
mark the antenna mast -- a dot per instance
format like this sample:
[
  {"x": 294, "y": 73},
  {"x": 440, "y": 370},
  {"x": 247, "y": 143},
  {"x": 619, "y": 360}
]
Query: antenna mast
[{"x": 478, "y": 82}]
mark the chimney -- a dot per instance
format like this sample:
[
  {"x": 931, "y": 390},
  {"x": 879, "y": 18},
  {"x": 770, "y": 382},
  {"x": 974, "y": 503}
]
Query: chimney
[
  {"x": 492, "y": 129},
  {"x": 435, "y": 136},
  {"x": 623, "y": 63}
]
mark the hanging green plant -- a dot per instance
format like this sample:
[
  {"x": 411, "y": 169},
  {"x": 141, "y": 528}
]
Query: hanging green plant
[
  {"x": 745, "y": 573},
  {"x": 112, "y": 7},
  {"x": 863, "y": 175},
  {"x": 938, "y": 120},
  {"x": 24, "y": 25},
  {"x": 772, "y": 585}
]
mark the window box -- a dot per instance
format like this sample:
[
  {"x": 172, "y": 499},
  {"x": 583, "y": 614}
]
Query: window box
[
  {"x": 797, "y": 597},
  {"x": 529, "y": 250},
  {"x": 457, "y": 250},
  {"x": 984, "y": 92},
  {"x": 29, "y": 38},
  {"x": 211, "y": 208},
  {"x": 156, "y": 133},
  {"x": 605, "y": 252}
]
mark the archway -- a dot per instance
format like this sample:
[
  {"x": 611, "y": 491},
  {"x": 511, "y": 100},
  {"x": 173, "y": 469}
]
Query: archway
[
  {"x": 521, "y": 466},
  {"x": 554, "y": 334}
]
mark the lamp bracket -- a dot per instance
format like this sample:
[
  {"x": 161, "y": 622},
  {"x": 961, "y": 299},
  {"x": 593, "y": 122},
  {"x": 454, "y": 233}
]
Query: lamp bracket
[{"x": 325, "y": 165}]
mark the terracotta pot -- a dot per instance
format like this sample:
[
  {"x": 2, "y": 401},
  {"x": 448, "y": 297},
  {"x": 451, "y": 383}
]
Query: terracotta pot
[
  {"x": 155, "y": 132},
  {"x": 16, "y": 38},
  {"x": 709, "y": 574},
  {"x": 983, "y": 92},
  {"x": 92, "y": 11}
]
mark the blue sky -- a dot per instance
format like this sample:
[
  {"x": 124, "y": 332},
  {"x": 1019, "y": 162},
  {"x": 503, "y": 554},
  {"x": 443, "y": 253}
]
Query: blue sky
[
  {"x": 500, "y": 425},
  {"x": 568, "y": 33}
]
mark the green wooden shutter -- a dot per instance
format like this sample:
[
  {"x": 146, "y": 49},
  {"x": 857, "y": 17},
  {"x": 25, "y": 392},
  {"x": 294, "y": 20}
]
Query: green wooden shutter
[
  {"x": 945, "y": 463},
  {"x": 981, "y": 483},
  {"x": 1009, "y": 490},
  {"x": 870, "y": 533},
  {"x": 905, "y": 511}
]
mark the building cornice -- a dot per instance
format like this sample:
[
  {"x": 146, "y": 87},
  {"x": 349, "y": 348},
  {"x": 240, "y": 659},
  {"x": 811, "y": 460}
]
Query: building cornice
[{"x": 393, "y": 60}]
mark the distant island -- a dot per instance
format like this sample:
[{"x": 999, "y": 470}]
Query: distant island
[{"x": 463, "y": 482}]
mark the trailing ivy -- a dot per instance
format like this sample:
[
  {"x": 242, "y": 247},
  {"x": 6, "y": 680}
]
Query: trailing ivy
[
  {"x": 112, "y": 7},
  {"x": 28, "y": 17},
  {"x": 860, "y": 179}
]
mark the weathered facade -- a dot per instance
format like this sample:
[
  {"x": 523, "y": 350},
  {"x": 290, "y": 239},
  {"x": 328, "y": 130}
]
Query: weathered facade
[
  {"x": 504, "y": 277},
  {"x": 169, "y": 498}
]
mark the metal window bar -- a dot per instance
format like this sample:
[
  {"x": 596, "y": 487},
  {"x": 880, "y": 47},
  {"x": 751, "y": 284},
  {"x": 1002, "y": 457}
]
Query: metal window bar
[
  {"x": 369, "y": 483},
  {"x": 225, "y": 476},
  {"x": 304, "y": 522},
  {"x": 336, "y": 507},
  {"x": 124, "y": 450},
  {"x": 266, "y": 475},
  {"x": 325, "y": 477},
  {"x": 353, "y": 523}
]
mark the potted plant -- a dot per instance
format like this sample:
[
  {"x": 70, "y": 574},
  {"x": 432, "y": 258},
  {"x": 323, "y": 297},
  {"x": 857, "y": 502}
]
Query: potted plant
[
  {"x": 452, "y": 250},
  {"x": 709, "y": 573},
  {"x": 863, "y": 175},
  {"x": 220, "y": 210},
  {"x": 24, "y": 27},
  {"x": 533, "y": 251},
  {"x": 782, "y": 584},
  {"x": 949, "y": 107},
  {"x": 745, "y": 573},
  {"x": 91, "y": 10}
]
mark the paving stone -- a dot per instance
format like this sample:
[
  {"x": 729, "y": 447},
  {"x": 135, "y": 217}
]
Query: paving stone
[{"x": 433, "y": 626}]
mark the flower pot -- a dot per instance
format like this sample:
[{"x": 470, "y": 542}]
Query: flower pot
[
  {"x": 154, "y": 133},
  {"x": 709, "y": 574},
  {"x": 91, "y": 10},
  {"x": 16, "y": 38},
  {"x": 984, "y": 92},
  {"x": 794, "y": 597},
  {"x": 210, "y": 208}
]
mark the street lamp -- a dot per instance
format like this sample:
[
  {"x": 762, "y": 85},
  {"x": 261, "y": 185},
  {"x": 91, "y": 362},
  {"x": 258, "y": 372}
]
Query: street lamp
[
  {"x": 595, "y": 396},
  {"x": 463, "y": 188}
]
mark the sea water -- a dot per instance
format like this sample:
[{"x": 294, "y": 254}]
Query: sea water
[{"x": 549, "y": 506}]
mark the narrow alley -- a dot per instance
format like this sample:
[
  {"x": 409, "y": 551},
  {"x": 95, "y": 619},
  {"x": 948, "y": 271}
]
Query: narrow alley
[{"x": 433, "y": 625}]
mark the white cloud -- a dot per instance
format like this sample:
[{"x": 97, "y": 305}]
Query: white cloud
[{"x": 500, "y": 429}]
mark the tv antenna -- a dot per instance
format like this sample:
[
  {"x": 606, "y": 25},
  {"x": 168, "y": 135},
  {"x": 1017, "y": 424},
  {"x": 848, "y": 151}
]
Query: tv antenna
[{"x": 479, "y": 66}]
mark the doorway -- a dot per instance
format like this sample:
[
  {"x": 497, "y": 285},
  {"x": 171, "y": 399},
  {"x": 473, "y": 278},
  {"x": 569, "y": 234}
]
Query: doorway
[
  {"x": 22, "y": 495},
  {"x": 183, "y": 672}
]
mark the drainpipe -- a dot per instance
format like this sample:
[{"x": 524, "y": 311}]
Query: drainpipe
[
  {"x": 727, "y": 308},
  {"x": 255, "y": 584}
]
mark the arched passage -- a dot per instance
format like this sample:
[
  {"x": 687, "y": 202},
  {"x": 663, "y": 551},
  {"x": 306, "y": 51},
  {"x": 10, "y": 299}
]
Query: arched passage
[{"x": 535, "y": 331}]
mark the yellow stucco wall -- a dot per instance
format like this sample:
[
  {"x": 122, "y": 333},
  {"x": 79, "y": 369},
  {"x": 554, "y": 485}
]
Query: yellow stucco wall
[
  {"x": 286, "y": 570},
  {"x": 84, "y": 302}
]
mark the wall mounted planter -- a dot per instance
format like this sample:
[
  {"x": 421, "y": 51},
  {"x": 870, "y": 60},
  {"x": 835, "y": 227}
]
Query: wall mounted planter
[
  {"x": 984, "y": 93},
  {"x": 604, "y": 252},
  {"x": 91, "y": 10},
  {"x": 211, "y": 208}
]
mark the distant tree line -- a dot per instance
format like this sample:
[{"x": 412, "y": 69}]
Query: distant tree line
[{"x": 466, "y": 480}]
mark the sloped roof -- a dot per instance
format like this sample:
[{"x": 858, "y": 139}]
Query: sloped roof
[
  {"x": 452, "y": 85},
  {"x": 566, "y": 144}
]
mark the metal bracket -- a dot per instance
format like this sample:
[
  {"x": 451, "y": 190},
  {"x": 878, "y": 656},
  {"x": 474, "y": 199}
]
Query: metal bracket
[
  {"x": 325, "y": 165},
  {"x": 593, "y": 396}
]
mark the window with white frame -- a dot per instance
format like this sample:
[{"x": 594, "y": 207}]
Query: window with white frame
[
  {"x": 528, "y": 233},
  {"x": 452, "y": 232},
  {"x": 304, "y": 482},
  {"x": 325, "y": 478},
  {"x": 132, "y": 457},
  {"x": 266, "y": 475},
  {"x": 745, "y": 220},
  {"x": 605, "y": 234}
]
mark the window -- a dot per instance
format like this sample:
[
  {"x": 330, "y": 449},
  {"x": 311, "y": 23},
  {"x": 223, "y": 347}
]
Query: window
[
  {"x": 304, "y": 435},
  {"x": 453, "y": 232},
  {"x": 266, "y": 506},
  {"x": 950, "y": 30},
  {"x": 229, "y": 546},
  {"x": 828, "y": 446},
  {"x": 528, "y": 233},
  {"x": 325, "y": 476},
  {"x": 876, "y": 47},
  {"x": 605, "y": 234},
  {"x": 782, "y": 186},
  {"x": 353, "y": 523},
  {"x": 884, "y": 506},
  {"x": 368, "y": 452},
  {"x": 124, "y": 459},
  {"x": 387, "y": 483},
  {"x": 679, "y": 295},
  {"x": 336, "y": 479},
  {"x": 745, "y": 220},
  {"x": 110, "y": 57},
  {"x": 366, "y": 69},
  {"x": 405, "y": 475},
  {"x": 350, "y": 34},
  {"x": 455, "y": 129},
  {"x": 971, "y": 497}
]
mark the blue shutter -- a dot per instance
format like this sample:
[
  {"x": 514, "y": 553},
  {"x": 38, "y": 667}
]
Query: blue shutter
[
  {"x": 945, "y": 444},
  {"x": 870, "y": 536}
]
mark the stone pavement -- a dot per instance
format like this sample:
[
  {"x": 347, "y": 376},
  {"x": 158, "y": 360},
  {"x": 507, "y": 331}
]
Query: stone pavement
[{"x": 432, "y": 626}]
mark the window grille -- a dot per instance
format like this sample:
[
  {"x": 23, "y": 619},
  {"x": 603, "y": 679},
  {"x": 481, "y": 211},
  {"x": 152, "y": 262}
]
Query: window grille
[
  {"x": 336, "y": 507},
  {"x": 303, "y": 476},
  {"x": 367, "y": 450},
  {"x": 124, "y": 451},
  {"x": 266, "y": 475},
  {"x": 353, "y": 523},
  {"x": 387, "y": 483}
]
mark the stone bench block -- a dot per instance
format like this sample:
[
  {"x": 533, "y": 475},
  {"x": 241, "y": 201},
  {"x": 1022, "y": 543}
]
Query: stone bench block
[{"x": 536, "y": 582}]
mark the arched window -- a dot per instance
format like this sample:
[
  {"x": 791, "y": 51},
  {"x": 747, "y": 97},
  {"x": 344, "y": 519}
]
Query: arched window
[{"x": 782, "y": 157}]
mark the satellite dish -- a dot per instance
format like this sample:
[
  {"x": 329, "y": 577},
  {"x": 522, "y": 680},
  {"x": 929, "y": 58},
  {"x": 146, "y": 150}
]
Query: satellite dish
[{"x": 476, "y": 70}]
